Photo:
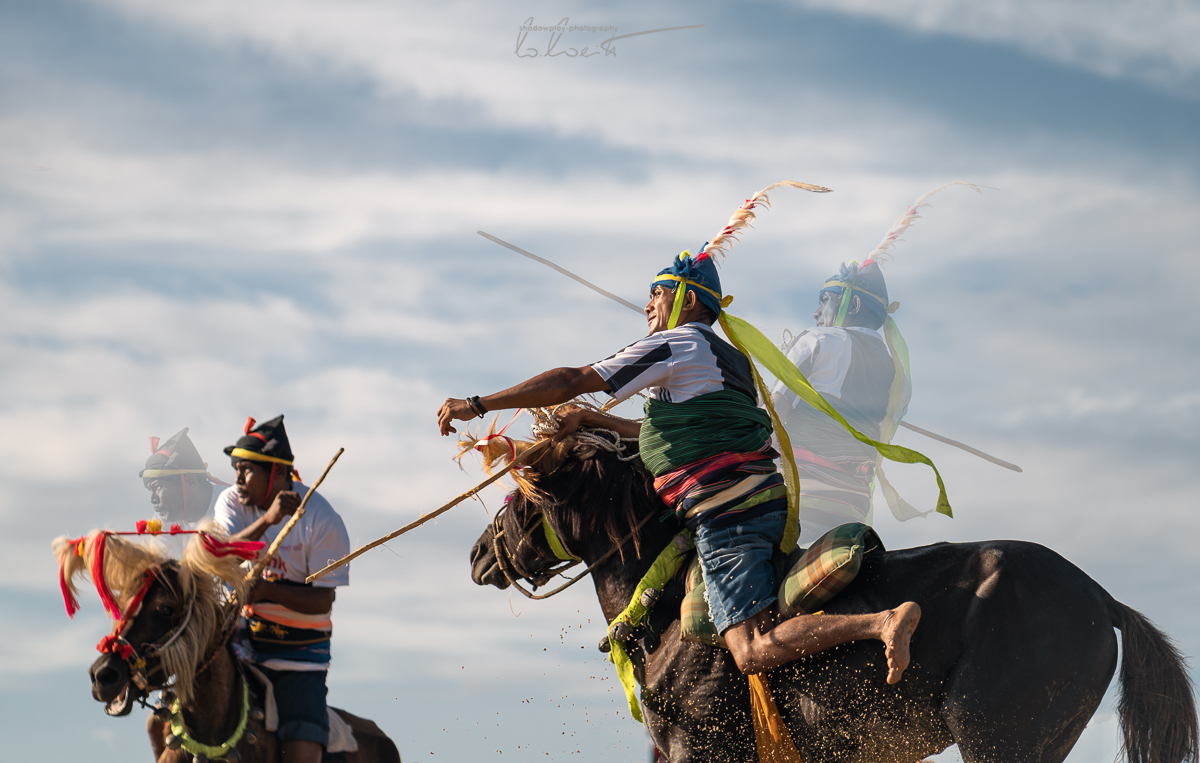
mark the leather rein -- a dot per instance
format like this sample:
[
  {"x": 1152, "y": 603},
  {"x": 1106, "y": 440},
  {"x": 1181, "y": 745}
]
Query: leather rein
[{"x": 513, "y": 572}]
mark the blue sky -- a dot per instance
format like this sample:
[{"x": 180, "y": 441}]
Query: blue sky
[{"x": 209, "y": 211}]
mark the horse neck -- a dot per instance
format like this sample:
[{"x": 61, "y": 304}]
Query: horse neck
[
  {"x": 213, "y": 712},
  {"x": 616, "y": 579}
]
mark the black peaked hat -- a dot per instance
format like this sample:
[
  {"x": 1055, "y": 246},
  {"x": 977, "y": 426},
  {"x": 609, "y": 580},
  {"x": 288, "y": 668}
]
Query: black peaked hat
[
  {"x": 175, "y": 456},
  {"x": 266, "y": 442}
]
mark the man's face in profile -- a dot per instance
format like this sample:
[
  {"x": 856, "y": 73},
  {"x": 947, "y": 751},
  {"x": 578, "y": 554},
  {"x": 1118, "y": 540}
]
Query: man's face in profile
[
  {"x": 826, "y": 313},
  {"x": 166, "y": 496}
]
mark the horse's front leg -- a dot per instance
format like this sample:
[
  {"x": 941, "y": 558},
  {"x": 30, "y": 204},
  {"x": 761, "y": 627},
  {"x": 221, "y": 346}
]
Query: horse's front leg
[{"x": 158, "y": 729}]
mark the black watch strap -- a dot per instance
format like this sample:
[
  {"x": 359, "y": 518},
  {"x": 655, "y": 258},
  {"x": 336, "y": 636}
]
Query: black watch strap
[{"x": 479, "y": 408}]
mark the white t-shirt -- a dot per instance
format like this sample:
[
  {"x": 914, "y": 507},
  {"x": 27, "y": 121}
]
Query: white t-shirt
[
  {"x": 677, "y": 365},
  {"x": 852, "y": 368},
  {"x": 319, "y": 538}
]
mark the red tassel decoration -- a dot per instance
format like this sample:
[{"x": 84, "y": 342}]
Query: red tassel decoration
[
  {"x": 250, "y": 422},
  {"x": 243, "y": 549},
  {"x": 109, "y": 644},
  {"x": 512, "y": 448},
  {"x": 106, "y": 597},
  {"x": 154, "y": 444},
  {"x": 68, "y": 599}
]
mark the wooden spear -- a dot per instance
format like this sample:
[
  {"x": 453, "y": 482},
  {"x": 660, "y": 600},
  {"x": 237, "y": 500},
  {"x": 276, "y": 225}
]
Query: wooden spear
[
  {"x": 538, "y": 448},
  {"x": 960, "y": 446},
  {"x": 261, "y": 564}
]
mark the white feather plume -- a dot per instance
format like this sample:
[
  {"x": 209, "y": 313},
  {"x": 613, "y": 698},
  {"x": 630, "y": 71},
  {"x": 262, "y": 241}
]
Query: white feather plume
[
  {"x": 907, "y": 219},
  {"x": 744, "y": 216}
]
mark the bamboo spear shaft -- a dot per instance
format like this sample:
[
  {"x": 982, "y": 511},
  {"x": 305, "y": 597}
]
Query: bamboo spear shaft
[
  {"x": 538, "y": 448},
  {"x": 960, "y": 446},
  {"x": 261, "y": 564}
]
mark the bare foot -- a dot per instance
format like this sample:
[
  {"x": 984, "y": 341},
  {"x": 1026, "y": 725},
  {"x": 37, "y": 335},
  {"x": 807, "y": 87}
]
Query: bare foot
[{"x": 897, "y": 632}]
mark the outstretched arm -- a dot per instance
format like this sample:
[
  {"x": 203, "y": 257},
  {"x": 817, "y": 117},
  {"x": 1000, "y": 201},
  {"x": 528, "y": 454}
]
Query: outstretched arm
[{"x": 550, "y": 388}]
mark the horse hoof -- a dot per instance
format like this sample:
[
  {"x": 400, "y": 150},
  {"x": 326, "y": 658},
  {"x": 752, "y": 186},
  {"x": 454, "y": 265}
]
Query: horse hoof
[
  {"x": 650, "y": 597},
  {"x": 173, "y": 741},
  {"x": 251, "y": 737},
  {"x": 619, "y": 631},
  {"x": 604, "y": 646}
]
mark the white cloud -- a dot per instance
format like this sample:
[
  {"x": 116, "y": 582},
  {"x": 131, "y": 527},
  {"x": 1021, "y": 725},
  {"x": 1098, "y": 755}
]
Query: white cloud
[{"x": 1147, "y": 40}]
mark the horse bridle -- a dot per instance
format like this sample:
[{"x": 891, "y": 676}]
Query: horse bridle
[
  {"x": 117, "y": 645},
  {"x": 513, "y": 573}
]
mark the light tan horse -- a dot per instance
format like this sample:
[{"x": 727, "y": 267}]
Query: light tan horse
[{"x": 171, "y": 622}]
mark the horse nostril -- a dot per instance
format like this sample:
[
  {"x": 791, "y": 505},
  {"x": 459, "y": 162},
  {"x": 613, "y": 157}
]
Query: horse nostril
[
  {"x": 482, "y": 546},
  {"x": 107, "y": 676}
]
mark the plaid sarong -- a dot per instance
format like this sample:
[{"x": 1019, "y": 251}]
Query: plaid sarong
[
  {"x": 835, "y": 490},
  {"x": 825, "y": 569}
]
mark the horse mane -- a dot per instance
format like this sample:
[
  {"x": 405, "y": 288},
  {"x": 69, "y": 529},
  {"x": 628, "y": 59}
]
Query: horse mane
[
  {"x": 199, "y": 573},
  {"x": 584, "y": 490}
]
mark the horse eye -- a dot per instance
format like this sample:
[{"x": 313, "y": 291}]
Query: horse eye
[{"x": 165, "y": 610}]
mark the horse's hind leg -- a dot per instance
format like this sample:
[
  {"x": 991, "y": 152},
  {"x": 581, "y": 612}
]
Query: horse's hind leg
[
  {"x": 996, "y": 748},
  {"x": 987, "y": 732},
  {"x": 1057, "y": 749},
  {"x": 1007, "y": 748}
]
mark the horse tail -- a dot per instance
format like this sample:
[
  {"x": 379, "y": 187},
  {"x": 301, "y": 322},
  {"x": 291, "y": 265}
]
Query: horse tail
[{"x": 1156, "y": 708}]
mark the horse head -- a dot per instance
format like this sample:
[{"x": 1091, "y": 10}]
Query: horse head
[
  {"x": 166, "y": 613},
  {"x": 578, "y": 501},
  {"x": 159, "y": 616}
]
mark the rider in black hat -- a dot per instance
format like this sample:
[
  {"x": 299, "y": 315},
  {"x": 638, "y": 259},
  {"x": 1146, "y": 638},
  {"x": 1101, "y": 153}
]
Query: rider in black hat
[{"x": 288, "y": 622}]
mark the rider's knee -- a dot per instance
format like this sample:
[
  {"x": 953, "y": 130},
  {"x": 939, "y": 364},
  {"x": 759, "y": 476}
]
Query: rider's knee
[{"x": 746, "y": 657}]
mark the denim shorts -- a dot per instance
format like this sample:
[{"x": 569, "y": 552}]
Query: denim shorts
[
  {"x": 739, "y": 579},
  {"x": 300, "y": 698}
]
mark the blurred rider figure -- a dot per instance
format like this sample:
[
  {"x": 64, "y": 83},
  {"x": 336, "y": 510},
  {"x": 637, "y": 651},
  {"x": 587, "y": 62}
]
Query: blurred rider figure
[{"x": 181, "y": 489}]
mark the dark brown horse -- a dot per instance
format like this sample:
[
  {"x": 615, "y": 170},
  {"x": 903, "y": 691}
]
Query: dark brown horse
[
  {"x": 1013, "y": 654},
  {"x": 180, "y": 631}
]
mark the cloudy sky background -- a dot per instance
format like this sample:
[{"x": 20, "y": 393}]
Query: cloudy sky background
[{"x": 215, "y": 210}]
